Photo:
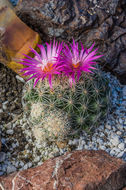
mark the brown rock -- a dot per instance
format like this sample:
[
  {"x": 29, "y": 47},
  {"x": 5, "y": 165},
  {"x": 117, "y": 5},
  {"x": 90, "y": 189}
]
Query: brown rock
[
  {"x": 57, "y": 18},
  {"x": 79, "y": 170},
  {"x": 101, "y": 21}
]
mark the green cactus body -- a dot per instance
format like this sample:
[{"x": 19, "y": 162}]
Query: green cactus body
[{"x": 66, "y": 111}]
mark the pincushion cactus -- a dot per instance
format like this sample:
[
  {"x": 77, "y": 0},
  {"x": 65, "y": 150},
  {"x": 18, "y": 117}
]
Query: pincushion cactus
[
  {"x": 84, "y": 105},
  {"x": 75, "y": 100}
]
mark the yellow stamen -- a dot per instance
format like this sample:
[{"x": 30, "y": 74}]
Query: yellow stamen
[
  {"x": 76, "y": 65},
  {"x": 48, "y": 67}
]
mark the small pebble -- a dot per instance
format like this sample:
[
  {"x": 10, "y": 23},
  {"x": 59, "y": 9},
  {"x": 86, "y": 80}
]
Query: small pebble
[
  {"x": 10, "y": 132},
  {"x": 37, "y": 158},
  {"x": 119, "y": 133},
  {"x": 120, "y": 121},
  {"x": 108, "y": 126},
  {"x": 120, "y": 127},
  {"x": 29, "y": 164},
  {"x": 100, "y": 141},
  {"x": 2, "y": 156},
  {"x": 121, "y": 146},
  {"x": 20, "y": 78},
  {"x": 112, "y": 152},
  {"x": 102, "y": 147},
  {"x": 4, "y": 105},
  {"x": 10, "y": 169},
  {"x": 101, "y": 134},
  {"x": 120, "y": 155},
  {"x": 25, "y": 167},
  {"x": 1, "y": 110},
  {"x": 40, "y": 163},
  {"x": 14, "y": 145},
  {"x": 21, "y": 163},
  {"x": 115, "y": 140},
  {"x": 16, "y": 164},
  {"x": 4, "y": 167},
  {"x": 117, "y": 150},
  {"x": 38, "y": 146},
  {"x": 21, "y": 122}
]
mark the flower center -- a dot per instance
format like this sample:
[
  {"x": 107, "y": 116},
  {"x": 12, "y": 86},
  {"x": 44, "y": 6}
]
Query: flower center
[
  {"x": 48, "y": 67},
  {"x": 76, "y": 65}
]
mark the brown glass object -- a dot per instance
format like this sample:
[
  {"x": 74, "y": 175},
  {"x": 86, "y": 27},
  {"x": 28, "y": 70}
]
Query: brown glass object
[{"x": 16, "y": 38}]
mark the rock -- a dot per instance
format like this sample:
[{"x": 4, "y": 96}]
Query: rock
[
  {"x": 119, "y": 133},
  {"x": 4, "y": 105},
  {"x": 2, "y": 156},
  {"x": 120, "y": 121},
  {"x": 108, "y": 126},
  {"x": 120, "y": 155},
  {"x": 115, "y": 140},
  {"x": 20, "y": 78},
  {"x": 112, "y": 152},
  {"x": 102, "y": 22},
  {"x": 121, "y": 146},
  {"x": 10, "y": 132},
  {"x": 87, "y": 170},
  {"x": 10, "y": 169}
]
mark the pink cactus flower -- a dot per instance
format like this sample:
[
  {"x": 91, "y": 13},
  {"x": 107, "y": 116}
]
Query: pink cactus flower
[
  {"x": 75, "y": 62},
  {"x": 45, "y": 65}
]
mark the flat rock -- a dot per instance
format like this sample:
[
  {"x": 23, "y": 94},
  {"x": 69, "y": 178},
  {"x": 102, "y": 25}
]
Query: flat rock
[
  {"x": 99, "y": 21},
  {"x": 78, "y": 170}
]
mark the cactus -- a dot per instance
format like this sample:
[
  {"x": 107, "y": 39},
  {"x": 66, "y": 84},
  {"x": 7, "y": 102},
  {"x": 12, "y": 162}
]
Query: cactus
[
  {"x": 71, "y": 100},
  {"x": 64, "y": 111}
]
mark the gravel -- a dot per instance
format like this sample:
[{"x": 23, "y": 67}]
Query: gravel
[
  {"x": 2, "y": 156},
  {"x": 21, "y": 150},
  {"x": 10, "y": 95}
]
